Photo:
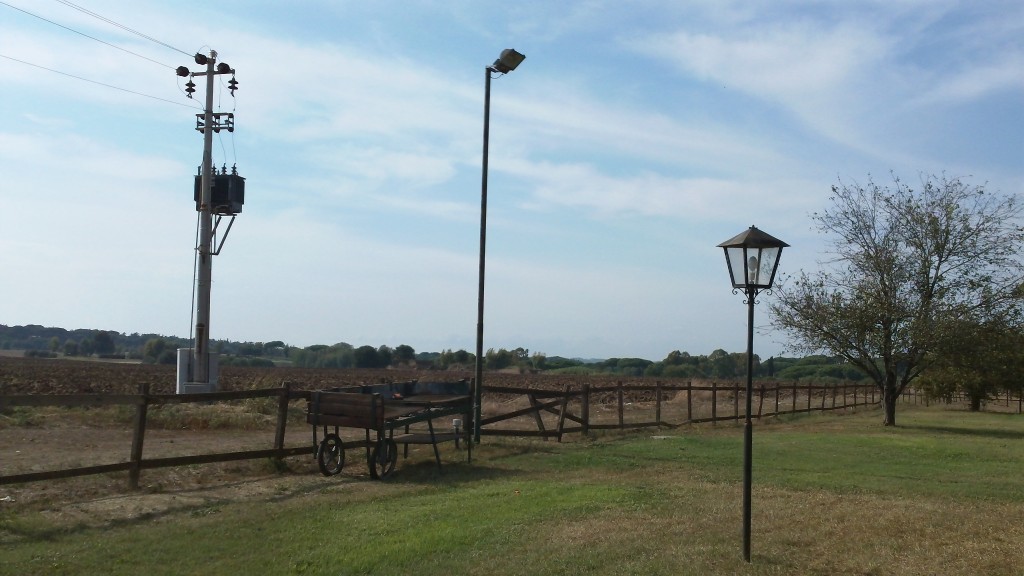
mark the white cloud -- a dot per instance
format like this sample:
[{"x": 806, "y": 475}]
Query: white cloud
[
  {"x": 976, "y": 81},
  {"x": 816, "y": 71}
]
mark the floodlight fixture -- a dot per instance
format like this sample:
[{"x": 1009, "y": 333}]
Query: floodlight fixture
[{"x": 507, "y": 61}]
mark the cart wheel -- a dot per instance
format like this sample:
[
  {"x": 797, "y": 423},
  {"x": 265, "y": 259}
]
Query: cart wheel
[
  {"x": 330, "y": 456},
  {"x": 383, "y": 459}
]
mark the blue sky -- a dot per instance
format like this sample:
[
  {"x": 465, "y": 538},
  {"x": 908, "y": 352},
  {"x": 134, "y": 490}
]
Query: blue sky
[{"x": 634, "y": 138}]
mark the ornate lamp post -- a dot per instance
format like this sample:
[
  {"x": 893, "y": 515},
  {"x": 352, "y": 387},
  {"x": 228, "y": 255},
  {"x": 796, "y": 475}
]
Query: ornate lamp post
[
  {"x": 506, "y": 62},
  {"x": 753, "y": 258}
]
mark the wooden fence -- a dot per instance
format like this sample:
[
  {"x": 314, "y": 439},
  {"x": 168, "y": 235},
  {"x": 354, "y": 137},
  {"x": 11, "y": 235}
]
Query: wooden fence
[
  {"x": 554, "y": 413},
  {"x": 142, "y": 401},
  {"x": 549, "y": 413},
  {"x": 1006, "y": 401}
]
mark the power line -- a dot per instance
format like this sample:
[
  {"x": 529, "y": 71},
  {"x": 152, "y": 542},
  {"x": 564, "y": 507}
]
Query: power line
[
  {"x": 86, "y": 35},
  {"x": 119, "y": 25},
  {"x": 95, "y": 82}
]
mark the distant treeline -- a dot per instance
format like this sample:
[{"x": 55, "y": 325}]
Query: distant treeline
[{"x": 37, "y": 340}]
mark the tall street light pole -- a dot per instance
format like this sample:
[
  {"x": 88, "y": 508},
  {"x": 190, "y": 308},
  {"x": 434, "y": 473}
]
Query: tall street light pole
[
  {"x": 506, "y": 62},
  {"x": 753, "y": 258}
]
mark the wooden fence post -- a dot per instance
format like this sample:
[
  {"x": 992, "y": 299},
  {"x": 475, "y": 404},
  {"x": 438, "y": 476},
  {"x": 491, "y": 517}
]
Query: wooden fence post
[
  {"x": 736, "y": 400},
  {"x": 282, "y": 417},
  {"x": 563, "y": 410},
  {"x": 855, "y": 396},
  {"x": 794, "y": 397},
  {"x": 657, "y": 403},
  {"x": 760, "y": 402},
  {"x": 824, "y": 393},
  {"x": 810, "y": 392},
  {"x": 622, "y": 416},
  {"x": 138, "y": 436},
  {"x": 689, "y": 400},
  {"x": 535, "y": 404},
  {"x": 776, "y": 398},
  {"x": 714, "y": 402},
  {"x": 585, "y": 410}
]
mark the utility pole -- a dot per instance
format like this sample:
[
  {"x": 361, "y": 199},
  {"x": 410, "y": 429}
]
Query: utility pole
[
  {"x": 208, "y": 203},
  {"x": 201, "y": 372}
]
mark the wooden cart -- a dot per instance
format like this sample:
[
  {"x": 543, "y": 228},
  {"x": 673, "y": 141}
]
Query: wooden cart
[{"x": 388, "y": 414}]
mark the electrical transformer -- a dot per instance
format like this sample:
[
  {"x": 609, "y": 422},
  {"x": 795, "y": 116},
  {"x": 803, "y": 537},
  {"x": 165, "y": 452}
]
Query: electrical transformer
[{"x": 227, "y": 196}]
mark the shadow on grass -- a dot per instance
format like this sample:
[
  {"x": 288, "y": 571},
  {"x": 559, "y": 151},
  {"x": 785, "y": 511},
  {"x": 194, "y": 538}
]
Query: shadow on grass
[
  {"x": 14, "y": 529},
  {"x": 421, "y": 473},
  {"x": 979, "y": 432}
]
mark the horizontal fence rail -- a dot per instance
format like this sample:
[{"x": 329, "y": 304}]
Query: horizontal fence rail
[
  {"x": 142, "y": 401},
  {"x": 554, "y": 413},
  {"x": 1004, "y": 399}
]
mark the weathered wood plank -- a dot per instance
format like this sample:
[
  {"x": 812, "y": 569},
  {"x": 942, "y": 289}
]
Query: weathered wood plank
[{"x": 69, "y": 400}]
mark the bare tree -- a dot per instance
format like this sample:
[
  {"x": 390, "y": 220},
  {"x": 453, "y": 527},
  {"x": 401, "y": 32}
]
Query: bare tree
[{"x": 907, "y": 266}]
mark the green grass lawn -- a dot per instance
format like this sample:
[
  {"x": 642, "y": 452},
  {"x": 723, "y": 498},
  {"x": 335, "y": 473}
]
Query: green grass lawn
[{"x": 833, "y": 494}]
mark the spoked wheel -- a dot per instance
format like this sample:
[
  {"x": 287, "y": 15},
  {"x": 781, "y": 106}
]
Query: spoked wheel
[
  {"x": 383, "y": 459},
  {"x": 330, "y": 456}
]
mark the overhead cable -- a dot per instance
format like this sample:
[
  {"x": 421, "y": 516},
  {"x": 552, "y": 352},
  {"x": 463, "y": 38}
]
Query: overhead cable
[
  {"x": 86, "y": 35},
  {"x": 119, "y": 25},
  {"x": 95, "y": 82}
]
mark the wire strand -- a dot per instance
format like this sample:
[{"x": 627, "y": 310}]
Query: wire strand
[
  {"x": 87, "y": 36},
  {"x": 121, "y": 26},
  {"x": 99, "y": 83},
  {"x": 234, "y": 108},
  {"x": 195, "y": 280}
]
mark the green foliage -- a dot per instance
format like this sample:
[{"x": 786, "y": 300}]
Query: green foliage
[
  {"x": 820, "y": 368},
  {"x": 340, "y": 355},
  {"x": 250, "y": 349},
  {"x": 153, "y": 349},
  {"x": 275, "y": 348},
  {"x": 979, "y": 360},
  {"x": 448, "y": 359},
  {"x": 365, "y": 357},
  {"x": 906, "y": 266},
  {"x": 500, "y": 359},
  {"x": 553, "y": 363},
  {"x": 103, "y": 342},
  {"x": 403, "y": 354},
  {"x": 385, "y": 356}
]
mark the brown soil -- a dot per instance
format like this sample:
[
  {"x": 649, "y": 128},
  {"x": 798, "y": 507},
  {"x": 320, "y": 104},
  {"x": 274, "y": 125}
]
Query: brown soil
[{"x": 103, "y": 499}]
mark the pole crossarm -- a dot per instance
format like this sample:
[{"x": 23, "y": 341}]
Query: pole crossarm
[{"x": 221, "y": 121}]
